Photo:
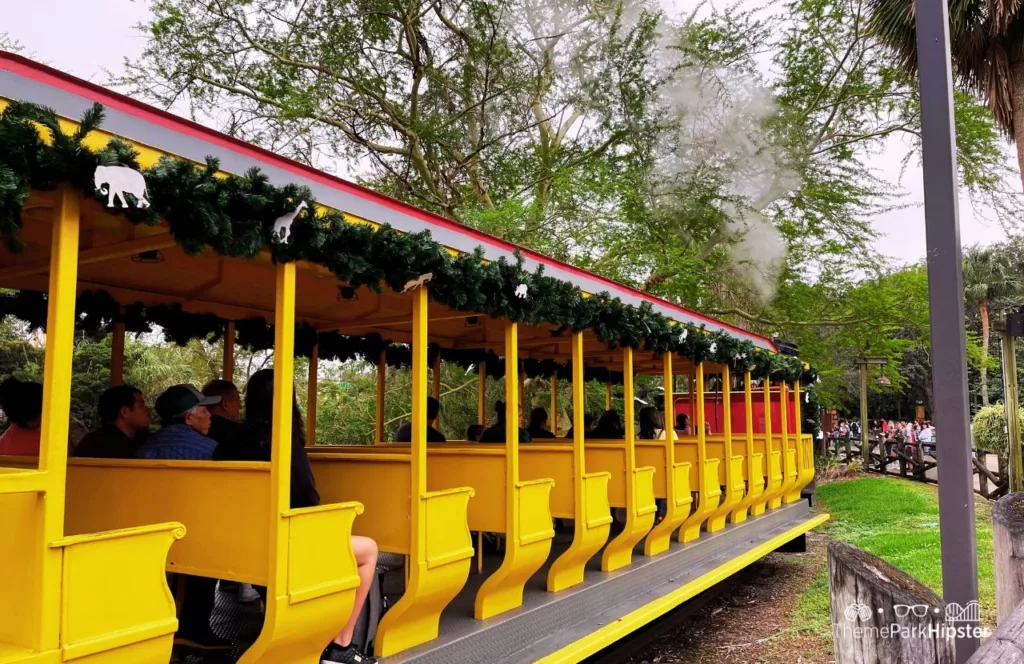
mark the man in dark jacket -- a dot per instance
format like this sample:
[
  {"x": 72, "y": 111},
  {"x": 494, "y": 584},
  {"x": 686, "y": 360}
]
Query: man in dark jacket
[
  {"x": 124, "y": 425},
  {"x": 404, "y": 433},
  {"x": 224, "y": 416}
]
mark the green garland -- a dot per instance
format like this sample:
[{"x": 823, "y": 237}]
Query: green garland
[{"x": 234, "y": 216}]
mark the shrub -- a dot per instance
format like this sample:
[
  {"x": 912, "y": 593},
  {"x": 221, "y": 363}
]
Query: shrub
[{"x": 988, "y": 429}]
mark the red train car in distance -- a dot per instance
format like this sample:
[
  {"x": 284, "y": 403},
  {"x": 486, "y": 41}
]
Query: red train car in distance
[{"x": 714, "y": 410}]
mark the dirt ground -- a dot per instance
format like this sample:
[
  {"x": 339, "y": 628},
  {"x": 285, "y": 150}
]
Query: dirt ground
[{"x": 753, "y": 622}]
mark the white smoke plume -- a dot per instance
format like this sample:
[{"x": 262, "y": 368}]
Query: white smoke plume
[{"x": 718, "y": 132}]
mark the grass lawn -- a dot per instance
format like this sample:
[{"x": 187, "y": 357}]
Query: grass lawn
[{"x": 898, "y": 521}]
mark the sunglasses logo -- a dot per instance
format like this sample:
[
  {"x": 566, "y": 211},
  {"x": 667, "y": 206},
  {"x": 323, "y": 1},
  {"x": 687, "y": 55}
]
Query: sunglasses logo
[{"x": 919, "y": 610}]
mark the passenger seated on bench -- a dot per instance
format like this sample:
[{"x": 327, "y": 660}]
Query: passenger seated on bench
[
  {"x": 683, "y": 425},
  {"x": 496, "y": 433},
  {"x": 185, "y": 422},
  {"x": 609, "y": 427},
  {"x": 539, "y": 424},
  {"x": 224, "y": 416},
  {"x": 124, "y": 425},
  {"x": 474, "y": 431},
  {"x": 648, "y": 417},
  {"x": 252, "y": 442},
  {"x": 22, "y": 403},
  {"x": 588, "y": 426},
  {"x": 404, "y": 433}
]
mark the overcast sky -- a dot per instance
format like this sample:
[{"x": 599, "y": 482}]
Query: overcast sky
[{"x": 86, "y": 37}]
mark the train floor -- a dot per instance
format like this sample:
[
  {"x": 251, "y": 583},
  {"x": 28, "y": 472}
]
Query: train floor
[{"x": 547, "y": 621}]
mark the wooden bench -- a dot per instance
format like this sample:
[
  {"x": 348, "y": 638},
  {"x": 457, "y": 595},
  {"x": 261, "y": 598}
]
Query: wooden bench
[
  {"x": 439, "y": 560},
  {"x": 670, "y": 484},
  {"x": 358, "y": 470},
  {"x": 233, "y": 534},
  {"x": 610, "y": 456},
  {"x": 101, "y": 596}
]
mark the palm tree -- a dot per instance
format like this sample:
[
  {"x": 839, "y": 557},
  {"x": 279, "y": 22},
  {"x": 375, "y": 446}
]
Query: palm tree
[
  {"x": 989, "y": 274},
  {"x": 987, "y": 44}
]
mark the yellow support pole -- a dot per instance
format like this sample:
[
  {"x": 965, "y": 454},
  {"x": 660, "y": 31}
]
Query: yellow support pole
[
  {"x": 281, "y": 430},
  {"x": 708, "y": 492},
  {"x": 229, "y": 352},
  {"x": 418, "y": 447},
  {"x": 53, "y": 447},
  {"x": 382, "y": 376},
  {"x": 117, "y": 354},
  {"x": 608, "y": 396},
  {"x": 775, "y": 456},
  {"x": 640, "y": 507},
  {"x": 312, "y": 394},
  {"x": 733, "y": 463},
  {"x": 591, "y": 513},
  {"x": 754, "y": 460},
  {"x": 481, "y": 396},
  {"x": 439, "y": 562},
  {"x": 677, "y": 477},
  {"x": 793, "y": 493},
  {"x": 435, "y": 389},
  {"x": 691, "y": 380},
  {"x": 553, "y": 413},
  {"x": 528, "y": 526},
  {"x": 521, "y": 373}
]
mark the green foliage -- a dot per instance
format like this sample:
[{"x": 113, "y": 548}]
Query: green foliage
[
  {"x": 234, "y": 216},
  {"x": 988, "y": 429},
  {"x": 898, "y": 521}
]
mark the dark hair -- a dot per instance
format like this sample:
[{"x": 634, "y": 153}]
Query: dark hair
[
  {"x": 433, "y": 408},
  {"x": 610, "y": 424},
  {"x": 588, "y": 420},
  {"x": 682, "y": 420},
  {"x": 474, "y": 431},
  {"x": 499, "y": 410},
  {"x": 22, "y": 401},
  {"x": 538, "y": 416},
  {"x": 259, "y": 408},
  {"x": 113, "y": 400},
  {"x": 219, "y": 388},
  {"x": 648, "y": 422}
]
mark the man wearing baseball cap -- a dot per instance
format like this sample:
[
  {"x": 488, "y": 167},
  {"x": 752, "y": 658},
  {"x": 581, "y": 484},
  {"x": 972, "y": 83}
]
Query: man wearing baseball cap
[
  {"x": 183, "y": 435},
  {"x": 185, "y": 423}
]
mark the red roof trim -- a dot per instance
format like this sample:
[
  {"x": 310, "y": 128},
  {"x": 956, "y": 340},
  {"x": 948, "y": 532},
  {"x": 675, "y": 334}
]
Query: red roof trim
[{"x": 48, "y": 75}]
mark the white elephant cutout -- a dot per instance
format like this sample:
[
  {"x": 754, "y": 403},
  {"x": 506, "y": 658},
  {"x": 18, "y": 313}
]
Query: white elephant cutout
[{"x": 116, "y": 181}]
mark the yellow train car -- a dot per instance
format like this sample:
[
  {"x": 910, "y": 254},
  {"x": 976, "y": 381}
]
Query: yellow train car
[{"x": 123, "y": 213}]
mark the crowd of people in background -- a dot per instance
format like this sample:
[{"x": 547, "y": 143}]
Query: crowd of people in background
[{"x": 891, "y": 432}]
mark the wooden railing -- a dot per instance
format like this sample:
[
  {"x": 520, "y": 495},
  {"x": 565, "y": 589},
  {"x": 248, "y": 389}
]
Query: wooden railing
[{"x": 915, "y": 461}]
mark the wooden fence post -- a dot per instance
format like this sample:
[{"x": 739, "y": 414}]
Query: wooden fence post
[
  {"x": 1006, "y": 645},
  {"x": 1008, "y": 551},
  {"x": 868, "y": 595}
]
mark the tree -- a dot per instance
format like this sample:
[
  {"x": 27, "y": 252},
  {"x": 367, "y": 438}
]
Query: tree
[
  {"x": 987, "y": 45},
  {"x": 989, "y": 274}
]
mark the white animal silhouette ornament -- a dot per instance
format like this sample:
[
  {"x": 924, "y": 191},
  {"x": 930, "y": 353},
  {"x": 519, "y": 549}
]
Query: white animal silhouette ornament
[
  {"x": 521, "y": 291},
  {"x": 713, "y": 349},
  {"x": 283, "y": 225},
  {"x": 116, "y": 181},
  {"x": 417, "y": 283}
]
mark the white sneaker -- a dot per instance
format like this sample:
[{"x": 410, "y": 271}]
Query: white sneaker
[{"x": 247, "y": 594}]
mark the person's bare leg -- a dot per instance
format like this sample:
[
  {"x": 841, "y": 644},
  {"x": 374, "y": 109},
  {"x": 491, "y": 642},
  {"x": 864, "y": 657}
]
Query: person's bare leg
[{"x": 365, "y": 550}]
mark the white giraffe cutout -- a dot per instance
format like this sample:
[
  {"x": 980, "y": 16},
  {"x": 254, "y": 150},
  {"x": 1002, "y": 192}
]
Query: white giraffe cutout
[{"x": 283, "y": 225}]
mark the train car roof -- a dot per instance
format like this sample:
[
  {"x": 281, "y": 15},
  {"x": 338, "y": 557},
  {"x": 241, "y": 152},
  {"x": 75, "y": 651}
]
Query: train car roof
[{"x": 25, "y": 80}]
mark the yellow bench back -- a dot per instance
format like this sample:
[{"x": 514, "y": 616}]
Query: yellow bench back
[{"x": 225, "y": 506}]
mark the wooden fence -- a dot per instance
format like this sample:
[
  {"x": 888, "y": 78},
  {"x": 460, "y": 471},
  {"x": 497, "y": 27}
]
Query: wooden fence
[{"x": 917, "y": 461}]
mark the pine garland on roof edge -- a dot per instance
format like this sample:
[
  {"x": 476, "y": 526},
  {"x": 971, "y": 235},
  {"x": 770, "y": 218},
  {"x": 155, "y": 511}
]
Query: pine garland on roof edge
[{"x": 234, "y": 216}]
